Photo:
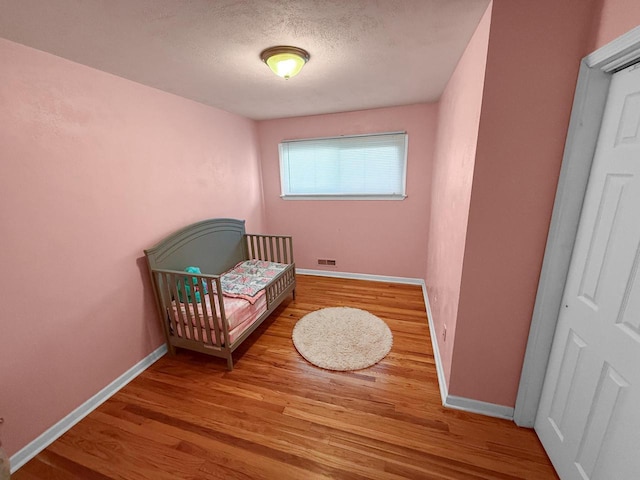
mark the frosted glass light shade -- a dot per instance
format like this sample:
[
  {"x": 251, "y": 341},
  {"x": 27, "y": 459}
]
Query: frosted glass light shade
[{"x": 286, "y": 62}]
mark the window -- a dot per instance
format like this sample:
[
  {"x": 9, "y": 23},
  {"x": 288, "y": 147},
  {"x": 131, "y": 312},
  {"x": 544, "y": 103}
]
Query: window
[{"x": 359, "y": 167}]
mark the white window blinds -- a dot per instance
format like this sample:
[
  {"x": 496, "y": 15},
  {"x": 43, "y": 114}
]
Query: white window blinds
[{"x": 352, "y": 167}]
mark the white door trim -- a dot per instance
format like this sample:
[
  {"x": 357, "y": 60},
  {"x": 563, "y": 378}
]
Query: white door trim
[{"x": 595, "y": 74}]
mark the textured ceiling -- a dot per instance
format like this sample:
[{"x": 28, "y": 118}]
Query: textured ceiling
[{"x": 364, "y": 53}]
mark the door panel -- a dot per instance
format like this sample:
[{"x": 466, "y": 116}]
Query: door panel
[
  {"x": 602, "y": 409},
  {"x": 589, "y": 414},
  {"x": 600, "y": 238},
  {"x": 630, "y": 304},
  {"x": 566, "y": 382}
]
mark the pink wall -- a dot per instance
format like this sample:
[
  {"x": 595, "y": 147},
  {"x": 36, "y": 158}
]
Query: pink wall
[
  {"x": 455, "y": 151},
  {"x": 616, "y": 18},
  {"x": 529, "y": 86},
  {"x": 94, "y": 169},
  {"x": 375, "y": 237}
]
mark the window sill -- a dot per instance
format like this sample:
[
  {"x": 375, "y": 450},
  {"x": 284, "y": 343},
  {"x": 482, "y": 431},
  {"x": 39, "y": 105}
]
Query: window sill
[{"x": 343, "y": 197}]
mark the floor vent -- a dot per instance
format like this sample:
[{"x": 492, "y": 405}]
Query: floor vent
[{"x": 323, "y": 261}]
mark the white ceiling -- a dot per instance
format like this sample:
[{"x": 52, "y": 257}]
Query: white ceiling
[{"x": 364, "y": 53}]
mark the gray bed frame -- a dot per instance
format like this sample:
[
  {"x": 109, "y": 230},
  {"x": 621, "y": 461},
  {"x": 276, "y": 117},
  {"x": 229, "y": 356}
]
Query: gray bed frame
[{"x": 215, "y": 246}]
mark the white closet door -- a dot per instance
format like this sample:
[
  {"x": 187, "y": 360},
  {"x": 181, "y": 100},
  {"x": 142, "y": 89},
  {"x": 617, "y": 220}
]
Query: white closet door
[{"x": 589, "y": 414}]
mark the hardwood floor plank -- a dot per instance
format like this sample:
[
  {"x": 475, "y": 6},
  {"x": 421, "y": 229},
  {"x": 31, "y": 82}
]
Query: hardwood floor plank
[
  {"x": 56, "y": 467},
  {"x": 275, "y": 416}
]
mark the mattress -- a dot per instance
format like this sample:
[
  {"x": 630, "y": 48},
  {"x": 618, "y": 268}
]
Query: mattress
[{"x": 240, "y": 315}]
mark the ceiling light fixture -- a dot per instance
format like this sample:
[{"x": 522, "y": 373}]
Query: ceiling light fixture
[{"x": 284, "y": 61}]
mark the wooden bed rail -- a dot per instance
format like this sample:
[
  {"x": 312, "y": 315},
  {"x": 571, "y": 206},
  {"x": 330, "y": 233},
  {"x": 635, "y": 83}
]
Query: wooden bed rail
[
  {"x": 197, "y": 322},
  {"x": 271, "y": 248},
  {"x": 281, "y": 285}
]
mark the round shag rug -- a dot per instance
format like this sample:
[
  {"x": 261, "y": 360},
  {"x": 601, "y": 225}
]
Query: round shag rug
[{"x": 342, "y": 338}]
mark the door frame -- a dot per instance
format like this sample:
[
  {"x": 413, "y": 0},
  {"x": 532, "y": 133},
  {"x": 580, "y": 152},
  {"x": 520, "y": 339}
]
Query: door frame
[{"x": 589, "y": 101}]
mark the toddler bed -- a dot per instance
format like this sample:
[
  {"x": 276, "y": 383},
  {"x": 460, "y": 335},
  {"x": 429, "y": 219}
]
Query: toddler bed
[{"x": 233, "y": 281}]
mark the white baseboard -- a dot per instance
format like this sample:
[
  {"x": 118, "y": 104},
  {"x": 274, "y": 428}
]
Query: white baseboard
[
  {"x": 25, "y": 454},
  {"x": 453, "y": 401},
  {"x": 360, "y": 276},
  {"x": 442, "y": 380},
  {"x": 476, "y": 406}
]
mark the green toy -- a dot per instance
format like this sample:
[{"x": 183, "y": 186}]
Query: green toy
[{"x": 194, "y": 281}]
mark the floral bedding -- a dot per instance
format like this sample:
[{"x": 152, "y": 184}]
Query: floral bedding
[{"x": 247, "y": 279}]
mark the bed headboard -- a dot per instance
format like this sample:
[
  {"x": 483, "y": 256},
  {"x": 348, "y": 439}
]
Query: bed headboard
[{"x": 214, "y": 245}]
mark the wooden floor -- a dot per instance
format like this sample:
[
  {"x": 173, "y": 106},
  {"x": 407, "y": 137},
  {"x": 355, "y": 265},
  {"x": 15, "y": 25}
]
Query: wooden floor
[{"x": 277, "y": 417}]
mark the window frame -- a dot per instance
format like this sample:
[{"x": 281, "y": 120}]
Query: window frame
[{"x": 344, "y": 196}]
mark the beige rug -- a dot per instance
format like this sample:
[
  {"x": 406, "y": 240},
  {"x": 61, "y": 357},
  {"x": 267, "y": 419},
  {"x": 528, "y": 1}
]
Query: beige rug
[{"x": 342, "y": 338}]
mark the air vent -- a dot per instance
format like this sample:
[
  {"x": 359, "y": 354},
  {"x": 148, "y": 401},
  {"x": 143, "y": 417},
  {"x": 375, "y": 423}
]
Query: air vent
[{"x": 324, "y": 261}]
